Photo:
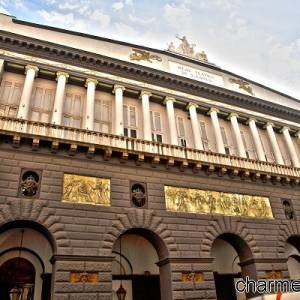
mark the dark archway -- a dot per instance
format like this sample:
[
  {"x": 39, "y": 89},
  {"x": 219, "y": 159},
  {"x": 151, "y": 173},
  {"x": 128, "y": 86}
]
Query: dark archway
[
  {"x": 30, "y": 241},
  {"x": 162, "y": 280},
  {"x": 292, "y": 252},
  {"x": 15, "y": 271},
  {"x": 234, "y": 260}
]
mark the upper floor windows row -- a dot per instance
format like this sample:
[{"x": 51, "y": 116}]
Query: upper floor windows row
[{"x": 76, "y": 113}]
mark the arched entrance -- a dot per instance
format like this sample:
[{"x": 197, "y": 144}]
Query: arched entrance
[
  {"x": 25, "y": 255},
  {"x": 17, "y": 271},
  {"x": 292, "y": 248},
  {"x": 137, "y": 253},
  {"x": 233, "y": 261}
]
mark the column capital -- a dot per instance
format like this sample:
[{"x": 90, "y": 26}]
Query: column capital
[
  {"x": 118, "y": 86},
  {"x": 60, "y": 73},
  {"x": 31, "y": 67},
  {"x": 298, "y": 134},
  {"x": 144, "y": 92},
  {"x": 88, "y": 80},
  {"x": 168, "y": 98},
  {"x": 213, "y": 109},
  {"x": 192, "y": 104},
  {"x": 269, "y": 124},
  {"x": 251, "y": 119},
  {"x": 233, "y": 114},
  {"x": 285, "y": 128}
]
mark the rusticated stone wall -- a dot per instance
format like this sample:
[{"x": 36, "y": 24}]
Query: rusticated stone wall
[{"x": 85, "y": 234}]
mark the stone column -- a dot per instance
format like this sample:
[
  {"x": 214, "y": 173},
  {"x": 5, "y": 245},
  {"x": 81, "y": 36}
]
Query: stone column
[
  {"x": 31, "y": 72},
  {"x": 118, "y": 124},
  {"x": 145, "y": 95},
  {"x": 274, "y": 143},
  {"x": 169, "y": 101},
  {"x": 192, "y": 107},
  {"x": 213, "y": 112},
  {"x": 237, "y": 134},
  {"x": 257, "y": 142},
  {"x": 90, "y": 103},
  {"x": 61, "y": 78},
  {"x": 291, "y": 146},
  {"x": 1, "y": 68}
]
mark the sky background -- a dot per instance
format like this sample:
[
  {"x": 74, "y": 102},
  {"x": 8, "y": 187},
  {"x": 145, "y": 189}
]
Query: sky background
[{"x": 258, "y": 39}]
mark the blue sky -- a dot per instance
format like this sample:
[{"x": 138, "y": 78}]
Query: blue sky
[{"x": 259, "y": 39}]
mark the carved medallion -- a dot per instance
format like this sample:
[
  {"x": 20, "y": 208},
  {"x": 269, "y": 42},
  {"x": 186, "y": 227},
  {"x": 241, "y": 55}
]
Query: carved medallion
[
  {"x": 139, "y": 54},
  {"x": 288, "y": 209},
  {"x": 273, "y": 274},
  {"x": 243, "y": 85},
  {"x": 138, "y": 194},
  {"x": 30, "y": 182}
]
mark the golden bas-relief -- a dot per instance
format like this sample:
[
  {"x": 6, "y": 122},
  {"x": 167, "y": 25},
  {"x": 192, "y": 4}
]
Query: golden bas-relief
[
  {"x": 210, "y": 202},
  {"x": 86, "y": 189}
]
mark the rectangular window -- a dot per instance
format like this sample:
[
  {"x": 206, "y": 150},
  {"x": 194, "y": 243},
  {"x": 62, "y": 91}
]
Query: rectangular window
[
  {"x": 130, "y": 121},
  {"x": 269, "y": 155},
  {"x": 180, "y": 199},
  {"x": 102, "y": 119},
  {"x": 10, "y": 96},
  {"x": 86, "y": 189},
  {"x": 73, "y": 110},
  {"x": 41, "y": 104},
  {"x": 156, "y": 126},
  {"x": 245, "y": 144},
  {"x": 181, "y": 131},
  {"x": 204, "y": 138},
  {"x": 225, "y": 141}
]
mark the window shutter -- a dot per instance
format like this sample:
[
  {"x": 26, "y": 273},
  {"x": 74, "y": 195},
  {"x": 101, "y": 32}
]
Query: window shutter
[
  {"x": 125, "y": 115},
  {"x": 5, "y": 91},
  {"x": 68, "y": 104},
  {"x": 48, "y": 100},
  {"x": 132, "y": 116},
  {"x": 224, "y": 137},
  {"x": 152, "y": 120},
  {"x": 180, "y": 127},
  {"x": 37, "y": 97},
  {"x": 16, "y": 94},
  {"x": 105, "y": 116},
  {"x": 203, "y": 131},
  {"x": 157, "y": 121},
  {"x": 244, "y": 140},
  {"x": 77, "y": 111}
]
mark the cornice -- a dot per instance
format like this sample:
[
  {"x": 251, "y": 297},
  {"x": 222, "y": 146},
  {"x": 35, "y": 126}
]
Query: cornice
[{"x": 26, "y": 45}]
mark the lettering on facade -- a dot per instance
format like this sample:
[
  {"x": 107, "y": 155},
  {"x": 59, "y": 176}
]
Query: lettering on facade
[
  {"x": 195, "y": 74},
  {"x": 91, "y": 277},
  {"x": 192, "y": 276},
  {"x": 138, "y": 54},
  {"x": 86, "y": 189},
  {"x": 209, "y": 202}
]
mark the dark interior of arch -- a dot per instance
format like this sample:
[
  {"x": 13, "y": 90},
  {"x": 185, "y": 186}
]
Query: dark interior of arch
[
  {"x": 241, "y": 247},
  {"x": 153, "y": 238},
  {"x": 33, "y": 225},
  {"x": 294, "y": 240}
]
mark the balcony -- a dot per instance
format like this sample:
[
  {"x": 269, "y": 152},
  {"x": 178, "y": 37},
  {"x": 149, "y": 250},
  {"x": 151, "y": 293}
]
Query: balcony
[{"x": 157, "y": 152}]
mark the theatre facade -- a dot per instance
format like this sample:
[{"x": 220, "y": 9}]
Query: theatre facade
[{"x": 136, "y": 172}]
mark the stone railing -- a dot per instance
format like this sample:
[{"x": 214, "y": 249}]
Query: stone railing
[{"x": 61, "y": 134}]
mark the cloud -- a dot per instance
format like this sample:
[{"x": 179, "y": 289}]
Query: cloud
[
  {"x": 4, "y": 11},
  {"x": 136, "y": 19},
  {"x": 99, "y": 17},
  {"x": 117, "y": 6}
]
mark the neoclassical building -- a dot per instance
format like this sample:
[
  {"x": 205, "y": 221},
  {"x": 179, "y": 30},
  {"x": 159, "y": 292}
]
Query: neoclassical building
[{"x": 130, "y": 169}]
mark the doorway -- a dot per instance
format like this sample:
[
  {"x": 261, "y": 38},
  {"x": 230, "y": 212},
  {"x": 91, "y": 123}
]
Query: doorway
[{"x": 17, "y": 271}]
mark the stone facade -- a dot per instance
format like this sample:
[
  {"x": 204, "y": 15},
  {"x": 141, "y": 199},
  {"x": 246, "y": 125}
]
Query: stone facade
[{"x": 84, "y": 235}]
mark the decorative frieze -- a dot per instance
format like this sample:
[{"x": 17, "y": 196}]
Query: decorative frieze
[
  {"x": 89, "y": 277},
  {"x": 192, "y": 276},
  {"x": 179, "y": 199}
]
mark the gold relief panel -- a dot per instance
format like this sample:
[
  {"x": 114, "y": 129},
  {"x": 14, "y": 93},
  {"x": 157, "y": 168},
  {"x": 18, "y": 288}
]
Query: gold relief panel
[
  {"x": 86, "y": 189},
  {"x": 274, "y": 275},
  {"x": 192, "y": 276},
  {"x": 180, "y": 199},
  {"x": 90, "y": 277}
]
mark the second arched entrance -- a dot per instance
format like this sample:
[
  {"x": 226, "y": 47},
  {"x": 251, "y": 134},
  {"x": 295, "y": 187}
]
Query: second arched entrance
[
  {"x": 232, "y": 261},
  {"x": 136, "y": 266}
]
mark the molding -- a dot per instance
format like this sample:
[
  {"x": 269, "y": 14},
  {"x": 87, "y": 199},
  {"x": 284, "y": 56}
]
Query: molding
[
  {"x": 57, "y": 257},
  {"x": 185, "y": 260},
  {"x": 263, "y": 260},
  {"x": 64, "y": 54}
]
